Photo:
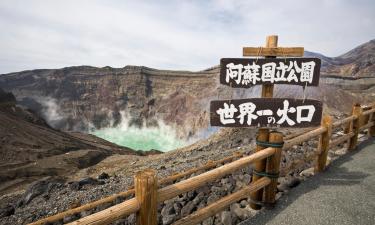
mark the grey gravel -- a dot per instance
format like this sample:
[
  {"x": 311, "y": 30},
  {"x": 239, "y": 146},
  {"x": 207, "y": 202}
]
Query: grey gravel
[{"x": 344, "y": 194}]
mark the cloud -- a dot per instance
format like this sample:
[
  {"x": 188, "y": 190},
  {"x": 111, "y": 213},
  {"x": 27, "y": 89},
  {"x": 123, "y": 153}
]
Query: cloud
[{"x": 190, "y": 35}]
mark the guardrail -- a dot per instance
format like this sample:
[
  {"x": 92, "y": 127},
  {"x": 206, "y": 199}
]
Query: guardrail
[{"x": 148, "y": 194}]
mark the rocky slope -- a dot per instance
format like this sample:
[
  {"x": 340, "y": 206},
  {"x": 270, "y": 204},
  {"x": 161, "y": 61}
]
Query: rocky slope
[
  {"x": 31, "y": 149},
  {"x": 359, "y": 62},
  {"x": 54, "y": 196}
]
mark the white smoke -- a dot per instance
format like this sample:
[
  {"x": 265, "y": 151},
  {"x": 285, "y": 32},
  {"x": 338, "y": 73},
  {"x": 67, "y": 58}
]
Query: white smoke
[
  {"x": 161, "y": 137},
  {"x": 51, "y": 111}
]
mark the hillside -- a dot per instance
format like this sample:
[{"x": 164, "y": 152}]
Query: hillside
[
  {"x": 359, "y": 62},
  {"x": 31, "y": 149}
]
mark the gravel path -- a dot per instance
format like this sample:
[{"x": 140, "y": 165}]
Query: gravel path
[{"x": 344, "y": 194}]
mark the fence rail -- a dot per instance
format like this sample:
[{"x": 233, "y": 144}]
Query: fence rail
[{"x": 148, "y": 194}]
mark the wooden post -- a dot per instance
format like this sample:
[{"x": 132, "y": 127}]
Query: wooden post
[
  {"x": 371, "y": 130},
  {"x": 146, "y": 190},
  {"x": 323, "y": 146},
  {"x": 267, "y": 89},
  {"x": 357, "y": 111},
  {"x": 259, "y": 166},
  {"x": 273, "y": 167},
  {"x": 267, "y": 92}
]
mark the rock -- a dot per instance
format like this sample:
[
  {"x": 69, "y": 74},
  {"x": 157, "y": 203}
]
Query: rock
[
  {"x": 131, "y": 219},
  {"x": 209, "y": 221},
  {"x": 103, "y": 176},
  {"x": 7, "y": 211},
  {"x": 340, "y": 152},
  {"x": 244, "y": 203},
  {"x": 218, "y": 190},
  {"x": 37, "y": 188},
  {"x": 162, "y": 167},
  {"x": 246, "y": 178},
  {"x": 288, "y": 183},
  {"x": 187, "y": 209},
  {"x": 294, "y": 182},
  {"x": 89, "y": 180},
  {"x": 239, "y": 212},
  {"x": 86, "y": 213},
  {"x": 168, "y": 209},
  {"x": 201, "y": 205},
  {"x": 191, "y": 194},
  {"x": 307, "y": 172},
  {"x": 226, "y": 218},
  {"x": 75, "y": 204},
  {"x": 70, "y": 218},
  {"x": 205, "y": 190},
  {"x": 190, "y": 206},
  {"x": 212, "y": 198},
  {"x": 242, "y": 180},
  {"x": 120, "y": 222},
  {"x": 119, "y": 200},
  {"x": 77, "y": 185},
  {"x": 169, "y": 219},
  {"x": 74, "y": 186},
  {"x": 104, "y": 206},
  {"x": 198, "y": 198},
  {"x": 278, "y": 195},
  {"x": 177, "y": 207},
  {"x": 246, "y": 141},
  {"x": 329, "y": 160}
]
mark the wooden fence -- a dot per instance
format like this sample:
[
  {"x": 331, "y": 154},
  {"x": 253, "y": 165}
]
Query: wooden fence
[{"x": 148, "y": 194}]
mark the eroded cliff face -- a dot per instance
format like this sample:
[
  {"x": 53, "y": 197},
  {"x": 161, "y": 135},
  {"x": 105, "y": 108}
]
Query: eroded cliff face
[
  {"x": 83, "y": 98},
  {"x": 78, "y": 98}
]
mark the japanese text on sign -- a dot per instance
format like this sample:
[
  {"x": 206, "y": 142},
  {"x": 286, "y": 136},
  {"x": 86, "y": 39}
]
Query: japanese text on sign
[
  {"x": 248, "y": 72},
  {"x": 266, "y": 113}
]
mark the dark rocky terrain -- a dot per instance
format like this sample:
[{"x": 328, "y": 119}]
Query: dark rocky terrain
[{"x": 31, "y": 149}]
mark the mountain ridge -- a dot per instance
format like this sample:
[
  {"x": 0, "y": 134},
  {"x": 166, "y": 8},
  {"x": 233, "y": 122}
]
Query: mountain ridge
[{"x": 350, "y": 61}]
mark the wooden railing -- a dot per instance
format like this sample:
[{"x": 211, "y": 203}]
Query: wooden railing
[{"x": 148, "y": 194}]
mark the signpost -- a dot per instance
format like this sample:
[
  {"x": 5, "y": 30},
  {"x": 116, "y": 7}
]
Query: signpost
[{"x": 266, "y": 112}]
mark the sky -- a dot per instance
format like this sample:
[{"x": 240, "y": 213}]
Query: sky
[{"x": 180, "y": 35}]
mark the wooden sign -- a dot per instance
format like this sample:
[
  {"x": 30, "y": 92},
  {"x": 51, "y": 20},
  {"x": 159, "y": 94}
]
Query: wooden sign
[
  {"x": 266, "y": 112},
  {"x": 274, "y": 51},
  {"x": 247, "y": 72}
]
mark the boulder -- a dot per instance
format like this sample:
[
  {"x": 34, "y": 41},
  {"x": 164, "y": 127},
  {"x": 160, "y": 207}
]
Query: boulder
[
  {"x": 7, "y": 211},
  {"x": 77, "y": 185},
  {"x": 103, "y": 176},
  {"x": 208, "y": 221},
  {"x": 226, "y": 218},
  {"x": 307, "y": 172},
  {"x": 242, "y": 213},
  {"x": 38, "y": 188}
]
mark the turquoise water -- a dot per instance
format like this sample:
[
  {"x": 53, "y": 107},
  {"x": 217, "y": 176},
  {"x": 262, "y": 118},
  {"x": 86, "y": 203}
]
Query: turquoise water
[{"x": 161, "y": 138}]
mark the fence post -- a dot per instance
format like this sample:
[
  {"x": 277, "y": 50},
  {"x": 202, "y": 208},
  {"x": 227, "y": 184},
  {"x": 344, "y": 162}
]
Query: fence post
[
  {"x": 259, "y": 166},
  {"x": 323, "y": 146},
  {"x": 357, "y": 111},
  {"x": 146, "y": 189},
  {"x": 273, "y": 167},
  {"x": 371, "y": 130}
]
